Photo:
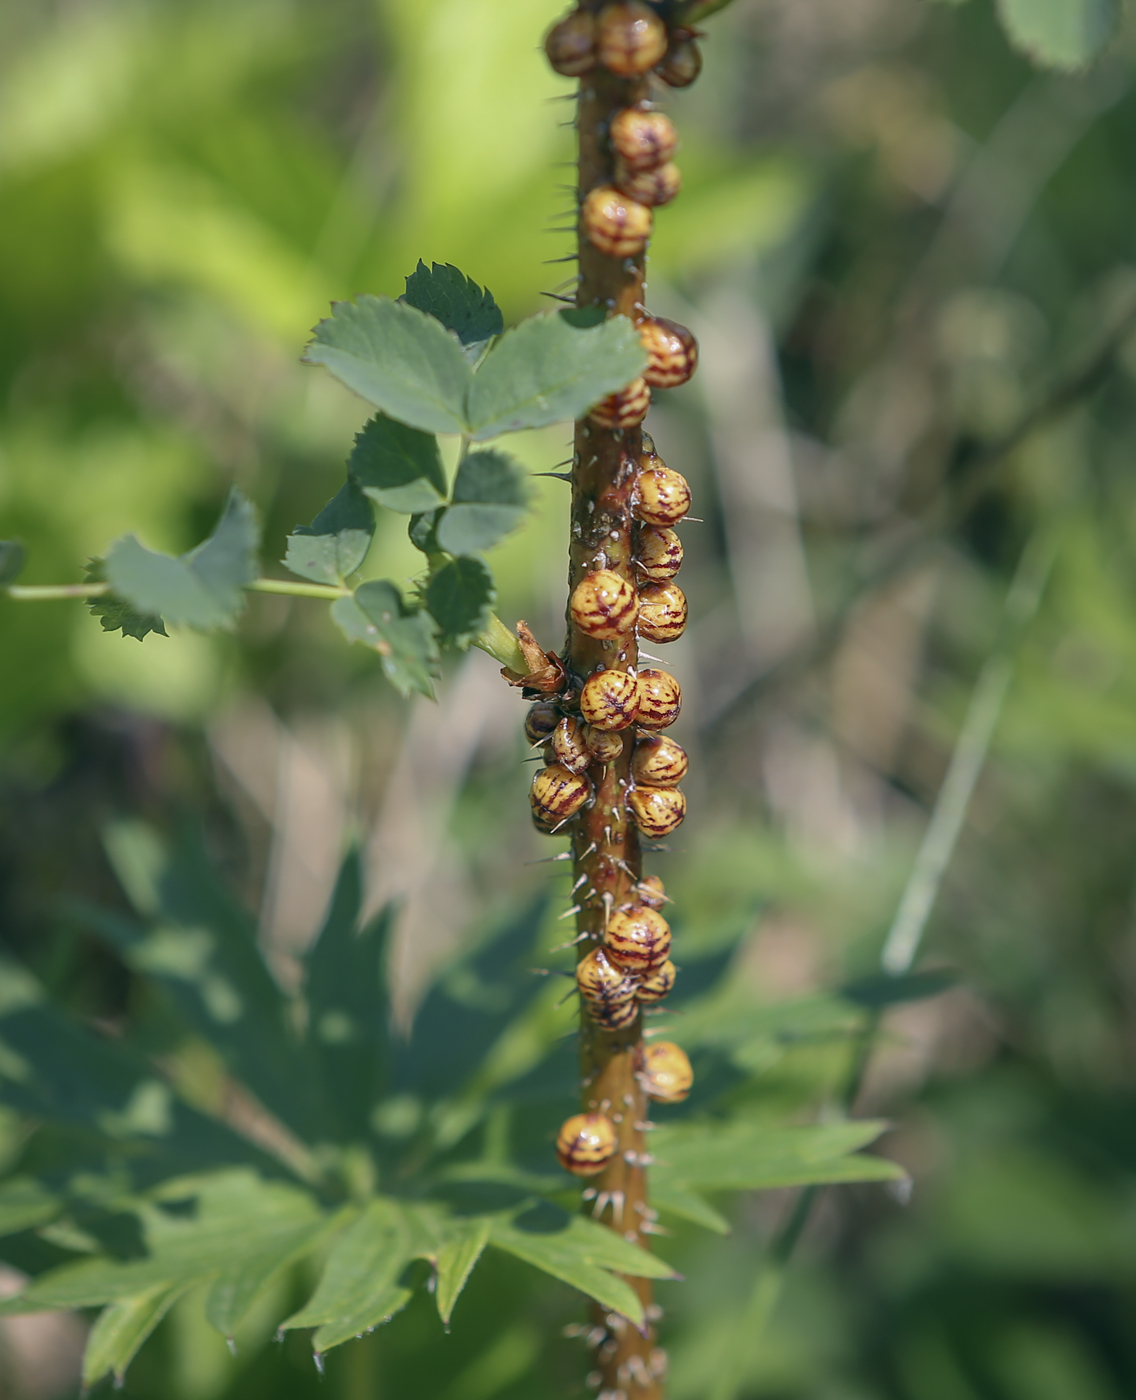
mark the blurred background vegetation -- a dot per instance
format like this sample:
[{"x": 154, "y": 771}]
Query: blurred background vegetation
[{"x": 911, "y": 262}]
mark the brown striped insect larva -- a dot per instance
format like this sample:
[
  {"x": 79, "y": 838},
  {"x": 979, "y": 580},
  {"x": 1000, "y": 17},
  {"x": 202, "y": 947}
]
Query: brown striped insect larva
[
  {"x": 586, "y": 1143},
  {"x": 540, "y": 721},
  {"x": 600, "y": 981},
  {"x": 658, "y": 554},
  {"x": 571, "y": 44},
  {"x": 657, "y": 810},
  {"x": 658, "y": 984},
  {"x": 624, "y": 409},
  {"x": 672, "y": 352},
  {"x": 614, "y": 1015},
  {"x": 662, "y": 496},
  {"x": 556, "y": 794},
  {"x": 568, "y": 746},
  {"x": 651, "y": 892},
  {"x": 610, "y": 700},
  {"x": 660, "y": 699},
  {"x": 605, "y": 745},
  {"x": 604, "y": 605},
  {"x": 642, "y": 140},
  {"x": 658, "y": 761},
  {"x": 662, "y": 612},
  {"x": 630, "y": 38},
  {"x": 637, "y": 939},
  {"x": 616, "y": 225},
  {"x": 683, "y": 60},
  {"x": 666, "y": 1074},
  {"x": 651, "y": 187}
]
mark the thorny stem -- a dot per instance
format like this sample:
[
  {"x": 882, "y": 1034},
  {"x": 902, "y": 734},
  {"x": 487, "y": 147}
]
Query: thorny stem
[{"x": 605, "y": 840}]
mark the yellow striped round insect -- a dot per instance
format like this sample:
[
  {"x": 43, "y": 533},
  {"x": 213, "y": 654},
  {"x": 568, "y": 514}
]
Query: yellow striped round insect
[
  {"x": 604, "y": 745},
  {"x": 658, "y": 984},
  {"x": 653, "y": 188},
  {"x": 642, "y": 139},
  {"x": 614, "y": 1015},
  {"x": 651, "y": 892},
  {"x": 666, "y": 1074},
  {"x": 541, "y": 720},
  {"x": 630, "y": 38},
  {"x": 557, "y": 795},
  {"x": 637, "y": 939},
  {"x": 660, "y": 699},
  {"x": 586, "y": 1143},
  {"x": 601, "y": 982},
  {"x": 662, "y": 612},
  {"x": 658, "y": 553},
  {"x": 610, "y": 700},
  {"x": 625, "y": 409},
  {"x": 614, "y": 224},
  {"x": 658, "y": 762},
  {"x": 568, "y": 746},
  {"x": 683, "y": 60},
  {"x": 657, "y": 811},
  {"x": 604, "y": 605},
  {"x": 571, "y": 44},
  {"x": 672, "y": 351},
  {"x": 662, "y": 496}
]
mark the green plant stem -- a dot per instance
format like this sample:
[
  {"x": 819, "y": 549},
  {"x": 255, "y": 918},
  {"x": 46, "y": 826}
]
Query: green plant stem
[
  {"x": 502, "y": 645},
  {"x": 285, "y": 586},
  {"x": 47, "y": 592}
]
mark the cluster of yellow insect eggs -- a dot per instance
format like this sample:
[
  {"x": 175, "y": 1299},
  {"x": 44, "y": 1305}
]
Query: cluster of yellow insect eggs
[{"x": 586, "y": 1143}]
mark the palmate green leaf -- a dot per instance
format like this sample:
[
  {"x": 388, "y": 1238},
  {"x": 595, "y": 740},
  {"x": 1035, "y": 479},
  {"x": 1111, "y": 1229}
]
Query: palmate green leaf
[
  {"x": 753, "y": 1156},
  {"x": 13, "y": 556},
  {"x": 490, "y": 498},
  {"x": 202, "y": 589},
  {"x": 336, "y": 542},
  {"x": 456, "y": 1260},
  {"x": 458, "y": 302},
  {"x": 1062, "y": 34},
  {"x": 25, "y": 1203},
  {"x": 398, "y": 467},
  {"x": 122, "y": 1327},
  {"x": 549, "y": 369},
  {"x": 115, "y": 613},
  {"x": 405, "y": 639},
  {"x": 393, "y": 355},
  {"x": 460, "y": 597}
]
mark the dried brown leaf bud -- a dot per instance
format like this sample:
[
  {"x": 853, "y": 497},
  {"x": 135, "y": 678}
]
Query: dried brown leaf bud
[
  {"x": 625, "y": 409},
  {"x": 630, "y": 38},
  {"x": 672, "y": 352},
  {"x": 659, "y": 983},
  {"x": 604, "y": 605},
  {"x": 616, "y": 225},
  {"x": 658, "y": 554},
  {"x": 657, "y": 810},
  {"x": 571, "y": 44},
  {"x": 662, "y": 496},
  {"x": 660, "y": 699},
  {"x": 683, "y": 60},
  {"x": 662, "y": 612},
  {"x": 642, "y": 140},
  {"x": 610, "y": 700},
  {"x": 650, "y": 187},
  {"x": 605, "y": 745},
  {"x": 666, "y": 1074},
  {"x": 556, "y": 794},
  {"x": 586, "y": 1143},
  {"x": 658, "y": 761},
  {"x": 638, "y": 939},
  {"x": 599, "y": 980},
  {"x": 541, "y": 720},
  {"x": 568, "y": 746},
  {"x": 651, "y": 892}
]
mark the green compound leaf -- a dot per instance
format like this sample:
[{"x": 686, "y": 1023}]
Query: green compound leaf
[
  {"x": 202, "y": 589},
  {"x": 393, "y": 355},
  {"x": 336, "y": 542},
  {"x": 405, "y": 639},
  {"x": 456, "y": 1259},
  {"x": 491, "y": 497},
  {"x": 423, "y": 531},
  {"x": 242, "y": 1282},
  {"x": 116, "y": 614},
  {"x": 359, "y": 1287},
  {"x": 398, "y": 467},
  {"x": 458, "y": 302},
  {"x": 1062, "y": 34},
  {"x": 121, "y": 1329},
  {"x": 550, "y": 369},
  {"x": 460, "y": 597},
  {"x": 12, "y": 559}
]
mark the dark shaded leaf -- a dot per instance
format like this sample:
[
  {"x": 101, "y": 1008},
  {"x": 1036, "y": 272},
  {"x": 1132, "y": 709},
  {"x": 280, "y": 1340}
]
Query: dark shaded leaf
[
  {"x": 460, "y": 597},
  {"x": 398, "y": 467},
  {"x": 456, "y": 1260},
  {"x": 404, "y": 638},
  {"x": 422, "y": 531},
  {"x": 880, "y": 991},
  {"x": 458, "y": 302},
  {"x": 13, "y": 556},
  {"x": 115, "y": 613},
  {"x": 25, "y": 1203},
  {"x": 490, "y": 497},
  {"x": 336, "y": 542}
]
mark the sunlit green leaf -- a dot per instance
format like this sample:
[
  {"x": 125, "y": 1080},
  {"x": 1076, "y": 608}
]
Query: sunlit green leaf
[
  {"x": 456, "y": 1260},
  {"x": 460, "y": 597},
  {"x": 122, "y": 1327},
  {"x": 404, "y": 638},
  {"x": 251, "y": 1271},
  {"x": 688, "y": 1205},
  {"x": 458, "y": 302},
  {"x": 398, "y": 358},
  {"x": 398, "y": 467},
  {"x": 490, "y": 498},
  {"x": 1064, "y": 34},
  {"x": 336, "y": 542},
  {"x": 547, "y": 370},
  {"x": 24, "y": 1203}
]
